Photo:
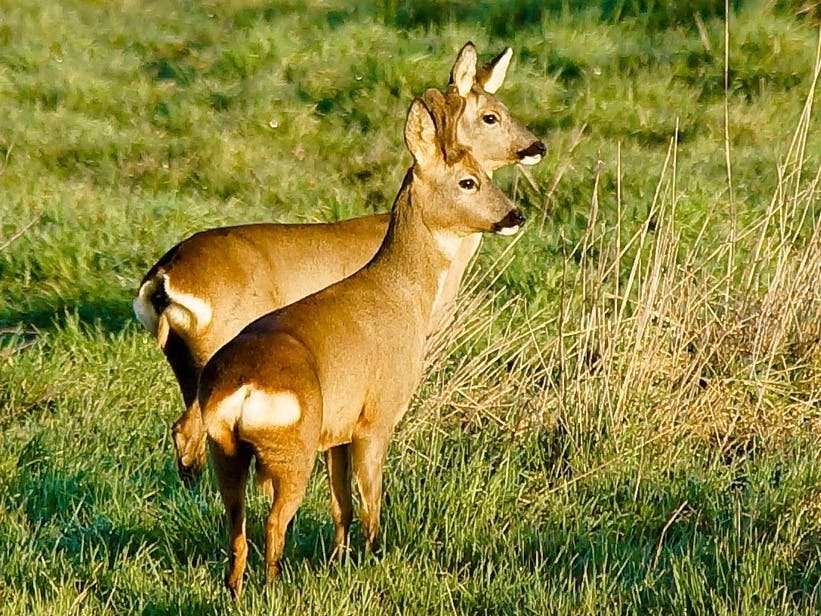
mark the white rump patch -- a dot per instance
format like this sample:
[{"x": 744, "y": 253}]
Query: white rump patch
[
  {"x": 185, "y": 310},
  {"x": 531, "y": 160},
  {"x": 268, "y": 409},
  {"x": 226, "y": 415},
  {"x": 249, "y": 409},
  {"x": 508, "y": 230},
  {"x": 144, "y": 309}
]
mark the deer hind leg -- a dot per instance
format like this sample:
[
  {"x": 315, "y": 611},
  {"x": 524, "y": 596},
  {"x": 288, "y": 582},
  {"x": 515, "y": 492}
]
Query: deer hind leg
[
  {"x": 188, "y": 432},
  {"x": 231, "y": 465},
  {"x": 289, "y": 490},
  {"x": 189, "y": 441},
  {"x": 283, "y": 427},
  {"x": 367, "y": 458},
  {"x": 339, "y": 478}
]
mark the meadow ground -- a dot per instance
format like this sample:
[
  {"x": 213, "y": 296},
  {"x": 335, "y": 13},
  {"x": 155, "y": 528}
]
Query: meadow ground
[{"x": 625, "y": 418}]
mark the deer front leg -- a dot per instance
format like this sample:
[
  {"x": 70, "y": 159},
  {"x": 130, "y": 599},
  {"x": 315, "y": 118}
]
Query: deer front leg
[
  {"x": 339, "y": 479},
  {"x": 367, "y": 458}
]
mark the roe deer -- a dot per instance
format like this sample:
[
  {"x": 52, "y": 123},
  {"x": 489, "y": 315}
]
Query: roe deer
[
  {"x": 336, "y": 370},
  {"x": 208, "y": 287}
]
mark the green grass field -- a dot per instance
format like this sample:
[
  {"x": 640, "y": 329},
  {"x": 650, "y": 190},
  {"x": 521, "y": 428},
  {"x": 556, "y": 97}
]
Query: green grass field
[{"x": 626, "y": 418}]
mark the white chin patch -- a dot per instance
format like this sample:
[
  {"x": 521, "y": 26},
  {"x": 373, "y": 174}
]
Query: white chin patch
[
  {"x": 531, "y": 160},
  {"x": 508, "y": 230}
]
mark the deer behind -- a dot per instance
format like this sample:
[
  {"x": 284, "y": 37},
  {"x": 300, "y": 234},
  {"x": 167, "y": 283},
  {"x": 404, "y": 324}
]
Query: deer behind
[{"x": 336, "y": 370}]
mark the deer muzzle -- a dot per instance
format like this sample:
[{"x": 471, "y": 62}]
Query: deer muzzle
[
  {"x": 510, "y": 224},
  {"x": 532, "y": 154}
]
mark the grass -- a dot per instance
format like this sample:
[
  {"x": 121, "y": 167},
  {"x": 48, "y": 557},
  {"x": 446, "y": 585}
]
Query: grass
[{"x": 625, "y": 416}]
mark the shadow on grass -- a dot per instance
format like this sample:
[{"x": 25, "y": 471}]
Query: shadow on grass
[
  {"x": 75, "y": 515},
  {"x": 507, "y": 17},
  {"x": 112, "y": 315},
  {"x": 501, "y": 18}
]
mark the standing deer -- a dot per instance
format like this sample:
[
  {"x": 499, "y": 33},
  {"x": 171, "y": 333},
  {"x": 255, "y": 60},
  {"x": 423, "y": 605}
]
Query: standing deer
[
  {"x": 336, "y": 370},
  {"x": 203, "y": 291}
]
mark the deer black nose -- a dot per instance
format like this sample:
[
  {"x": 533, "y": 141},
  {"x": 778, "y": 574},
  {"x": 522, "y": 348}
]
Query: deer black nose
[
  {"x": 534, "y": 151},
  {"x": 516, "y": 217},
  {"x": 512, "y": 221}
]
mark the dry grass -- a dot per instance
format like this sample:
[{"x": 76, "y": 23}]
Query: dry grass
[{"x": 654, "y": 343}]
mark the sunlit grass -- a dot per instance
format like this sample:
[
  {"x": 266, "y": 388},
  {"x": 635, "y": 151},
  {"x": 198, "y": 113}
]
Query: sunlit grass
[{"x": 624, "y": 416}]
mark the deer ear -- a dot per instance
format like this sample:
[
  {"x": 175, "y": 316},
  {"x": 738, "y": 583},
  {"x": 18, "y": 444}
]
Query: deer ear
[
  {"x": 464, "y": 69},
  {"x": 420, "y": 133},
  {"x": 492, "y": 75},
  {"x": 446, "y": 110},
  {"x": 435, "y": 102},
  {"x": 454, "y": 107}
]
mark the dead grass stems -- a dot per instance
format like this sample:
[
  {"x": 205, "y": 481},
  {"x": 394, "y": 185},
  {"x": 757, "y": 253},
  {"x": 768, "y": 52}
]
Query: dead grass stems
[{"x": 653, "y": 342}]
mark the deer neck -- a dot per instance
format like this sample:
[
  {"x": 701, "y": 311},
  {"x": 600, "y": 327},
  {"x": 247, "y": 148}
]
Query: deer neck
[{"x": 414, "y": 260}]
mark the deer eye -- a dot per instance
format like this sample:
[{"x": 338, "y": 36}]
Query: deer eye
[
  {"x": 490, "y": 118},
  {"x": 468, "y": 184}
]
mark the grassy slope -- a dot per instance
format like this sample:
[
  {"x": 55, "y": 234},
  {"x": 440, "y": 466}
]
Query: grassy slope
[{"x": 523, "y": 480}]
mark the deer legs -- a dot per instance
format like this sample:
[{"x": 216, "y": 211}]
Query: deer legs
[
  {"x": 366, "y": 458},
  {"x": 337, "y": 463},
  {"x": 288, "y": 494},
  {"x": 231, "y": 465},
  {"x": 188, "y": 432}
]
